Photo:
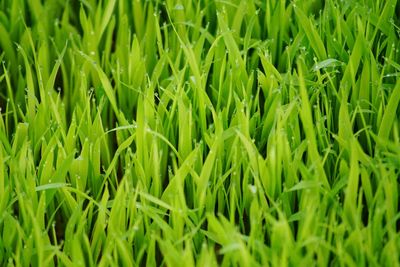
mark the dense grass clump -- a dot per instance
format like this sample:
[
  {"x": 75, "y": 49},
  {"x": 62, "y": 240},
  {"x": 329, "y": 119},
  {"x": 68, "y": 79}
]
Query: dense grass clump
[{"x": 199, "y": 133}]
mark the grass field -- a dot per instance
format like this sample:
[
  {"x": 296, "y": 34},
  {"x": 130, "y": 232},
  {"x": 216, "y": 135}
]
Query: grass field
[{"x": 199, "y": 133}]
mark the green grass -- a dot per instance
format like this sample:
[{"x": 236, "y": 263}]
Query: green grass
[{"x": 233, "y": 133}]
